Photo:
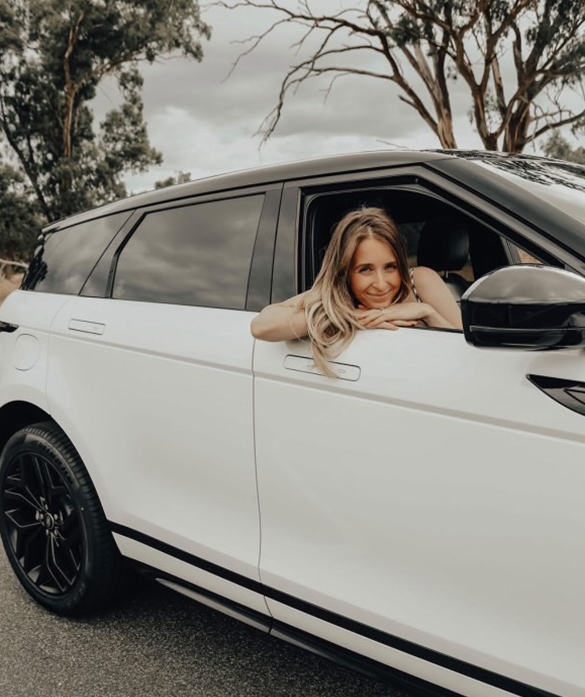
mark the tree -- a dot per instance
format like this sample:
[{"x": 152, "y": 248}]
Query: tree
[
  {"x": 19, "y": 216},
  {"x": 540, "y": 42},
  {"x": 55, "y": 53},
  {"x": 560, "y": 148},
  {"x": 181, "y": 178}
]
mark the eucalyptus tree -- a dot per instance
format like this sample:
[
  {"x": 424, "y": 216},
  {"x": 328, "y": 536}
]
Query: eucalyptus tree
[{"x": 521, "y": 61}]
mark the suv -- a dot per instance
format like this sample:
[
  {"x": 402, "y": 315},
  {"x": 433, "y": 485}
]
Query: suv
[{"x": 421, "y": 515}]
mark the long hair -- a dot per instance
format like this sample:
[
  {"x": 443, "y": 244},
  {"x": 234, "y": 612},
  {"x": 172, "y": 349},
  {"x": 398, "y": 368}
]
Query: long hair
[{"x": 329, "y": 305}]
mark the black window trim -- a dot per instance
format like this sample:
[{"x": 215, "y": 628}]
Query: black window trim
[
  {"x": 140, "y": 214},
  {"x": 486, "y": 212},
  {"x": 48, "y": 232},
  {"x": 129, "y": 224}
]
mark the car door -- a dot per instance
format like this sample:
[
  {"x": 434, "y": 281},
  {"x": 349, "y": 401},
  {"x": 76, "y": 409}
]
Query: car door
[
  {"x": 425, "y": 507},
  {"x": 154, "y": 386}
]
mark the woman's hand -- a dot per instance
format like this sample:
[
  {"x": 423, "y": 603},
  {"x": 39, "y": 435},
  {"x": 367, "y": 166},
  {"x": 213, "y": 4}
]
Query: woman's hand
[{"x": 393, "y": 317}]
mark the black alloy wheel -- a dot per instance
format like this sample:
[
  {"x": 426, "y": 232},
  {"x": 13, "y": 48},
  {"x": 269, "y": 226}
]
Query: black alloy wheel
[{"x": 53, "y": 527}]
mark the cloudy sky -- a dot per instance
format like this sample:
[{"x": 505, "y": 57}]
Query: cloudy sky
[{"x": 204, "y": 123}]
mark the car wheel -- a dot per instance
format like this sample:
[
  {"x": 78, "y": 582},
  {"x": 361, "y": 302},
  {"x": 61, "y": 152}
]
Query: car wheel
[{"x": 53, "y": 527}]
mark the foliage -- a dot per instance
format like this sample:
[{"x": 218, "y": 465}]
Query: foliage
[
  {"x": 559, "y": 148},
  {"x": 422, "y": 46},
  {"x": 55, "y": 54},
  {"x": 19, "y": 216},
  {"x": 181, "y": 178}
]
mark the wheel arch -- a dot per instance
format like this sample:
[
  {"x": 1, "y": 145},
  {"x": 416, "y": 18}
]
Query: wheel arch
[{"x": 16, "y": 415}]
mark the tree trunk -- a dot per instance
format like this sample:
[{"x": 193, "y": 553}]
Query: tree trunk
[
  {"x": 445, "y": 132},
  {"x": 517, "y": 130},
  {"x": 70, "y": 92}
]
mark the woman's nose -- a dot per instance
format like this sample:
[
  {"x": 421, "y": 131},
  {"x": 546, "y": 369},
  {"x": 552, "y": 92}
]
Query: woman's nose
[{"x": 380, "y": 281}]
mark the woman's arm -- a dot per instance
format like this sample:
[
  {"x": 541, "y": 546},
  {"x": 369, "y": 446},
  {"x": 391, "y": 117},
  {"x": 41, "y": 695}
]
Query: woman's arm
[{"x": 281, "y": 321}]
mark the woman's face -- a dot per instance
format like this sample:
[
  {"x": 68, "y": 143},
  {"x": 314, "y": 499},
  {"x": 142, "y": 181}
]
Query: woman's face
[{"x": 374, "y": 276}]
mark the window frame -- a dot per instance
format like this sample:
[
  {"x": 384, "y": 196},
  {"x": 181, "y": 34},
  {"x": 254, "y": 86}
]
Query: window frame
[
  {"x": 293, "y": 239},
  {"x": 110, "y": 251},
  {"x": 66, "y": 230},
  {"x": 263, "y": 243}
]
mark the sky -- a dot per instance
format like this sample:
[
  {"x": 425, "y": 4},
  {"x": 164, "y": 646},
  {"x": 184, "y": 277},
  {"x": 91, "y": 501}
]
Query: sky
[{"x": 205, "y": 122}]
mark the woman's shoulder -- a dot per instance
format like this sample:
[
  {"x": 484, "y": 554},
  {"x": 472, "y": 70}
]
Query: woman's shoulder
[
  {"x": 423, "y": 272},
  {"x": 424, "y": 275}
]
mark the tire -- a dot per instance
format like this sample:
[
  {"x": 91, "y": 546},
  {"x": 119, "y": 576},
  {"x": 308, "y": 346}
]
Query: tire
[{"x": 53, "y": 527}]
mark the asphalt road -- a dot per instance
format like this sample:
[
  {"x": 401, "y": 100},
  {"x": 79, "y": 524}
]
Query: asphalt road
[{"x": 156, "y": 644}]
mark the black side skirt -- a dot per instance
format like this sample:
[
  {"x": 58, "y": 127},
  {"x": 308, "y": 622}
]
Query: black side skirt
[{"x": 345, "y": 657}]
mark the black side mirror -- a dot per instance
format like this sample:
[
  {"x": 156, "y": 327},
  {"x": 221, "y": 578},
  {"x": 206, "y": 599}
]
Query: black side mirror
[{"x": 527, "y": 307}]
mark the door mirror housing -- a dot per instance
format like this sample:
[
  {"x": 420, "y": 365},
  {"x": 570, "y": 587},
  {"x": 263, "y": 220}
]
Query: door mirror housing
[{"x": 527, "y": 306}]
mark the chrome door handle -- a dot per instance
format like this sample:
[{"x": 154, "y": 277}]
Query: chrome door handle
[
  {"x": 303, "y": 364},
  {"x": 85, "y": 326}
]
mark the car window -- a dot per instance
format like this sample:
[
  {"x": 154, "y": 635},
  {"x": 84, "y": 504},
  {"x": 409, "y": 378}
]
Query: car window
[
  {"x": 436, "y": 234},
  {"x": 192, "y": 255},
  {"x": 64, "y": 258},
  {"x": 525, "y": 257},
  {"x": 411, "y": 232}
]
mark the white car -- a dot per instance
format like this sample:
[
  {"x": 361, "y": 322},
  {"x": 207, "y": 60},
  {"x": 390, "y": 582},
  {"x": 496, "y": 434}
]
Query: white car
[{"x": 420, "y": 516}]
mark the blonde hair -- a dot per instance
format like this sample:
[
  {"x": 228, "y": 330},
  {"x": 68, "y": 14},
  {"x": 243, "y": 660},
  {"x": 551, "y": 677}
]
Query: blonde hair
[{"x": 329, "y": 305}]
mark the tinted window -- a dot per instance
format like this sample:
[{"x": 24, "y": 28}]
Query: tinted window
[
  {"x": 195, "y": 255},
  {"x": 96, "y": 285},
  {"x": 435, "y": 232},
  {"x": 66, "y": 257}
]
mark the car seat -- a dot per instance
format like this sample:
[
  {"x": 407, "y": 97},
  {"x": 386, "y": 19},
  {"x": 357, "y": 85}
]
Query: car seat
[{"x": 444, "y": 246}]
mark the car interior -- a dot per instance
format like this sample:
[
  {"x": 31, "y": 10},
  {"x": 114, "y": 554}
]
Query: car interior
[{"x": 437, "y": 235}]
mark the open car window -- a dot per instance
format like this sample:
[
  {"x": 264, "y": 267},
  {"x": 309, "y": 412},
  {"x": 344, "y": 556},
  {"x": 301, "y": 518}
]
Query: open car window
[{"x": 437, "y": 235}]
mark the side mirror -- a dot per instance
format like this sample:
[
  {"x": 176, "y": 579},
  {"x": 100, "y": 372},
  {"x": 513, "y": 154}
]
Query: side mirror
[{"x": 527, "y": 307}]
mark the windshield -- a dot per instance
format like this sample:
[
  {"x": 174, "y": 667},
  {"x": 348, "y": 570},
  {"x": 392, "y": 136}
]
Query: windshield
[{"x": 561, "y": 184}]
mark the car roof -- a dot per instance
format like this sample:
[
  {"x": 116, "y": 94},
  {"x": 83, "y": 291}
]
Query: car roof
[
  {"x": 289, "y": 171},
  {"x": 257, "y": 176}
]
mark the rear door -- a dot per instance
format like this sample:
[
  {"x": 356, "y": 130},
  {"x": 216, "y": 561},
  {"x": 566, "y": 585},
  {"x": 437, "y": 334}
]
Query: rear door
[
  {"x": 425, "y": 508},
  {"x": 155, "y": 385}
]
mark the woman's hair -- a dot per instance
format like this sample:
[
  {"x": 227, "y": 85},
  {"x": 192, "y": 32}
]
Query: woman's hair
[{"x": 329, "y": 305}]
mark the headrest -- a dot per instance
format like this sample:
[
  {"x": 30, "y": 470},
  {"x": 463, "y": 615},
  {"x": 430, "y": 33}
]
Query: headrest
[{"x": 444, "y": 244}]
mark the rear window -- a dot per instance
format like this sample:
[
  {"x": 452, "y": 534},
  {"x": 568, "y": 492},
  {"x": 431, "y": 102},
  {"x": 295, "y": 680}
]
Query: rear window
[
  {"x": 193, "y": 255},
  {"x": 65, "y": 258}
]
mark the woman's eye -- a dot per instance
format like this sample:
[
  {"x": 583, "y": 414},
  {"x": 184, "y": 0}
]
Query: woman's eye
[
  {"x": 391, "y": 267},
  {"x": 364, "y": 269}
]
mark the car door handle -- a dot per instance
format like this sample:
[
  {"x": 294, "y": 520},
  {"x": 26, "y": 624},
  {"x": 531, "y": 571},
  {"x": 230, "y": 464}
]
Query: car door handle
[
  {"x": 303, "y": 364},
  {"x": 569, "y": 393},
  {"x": 85, "y": 326}
]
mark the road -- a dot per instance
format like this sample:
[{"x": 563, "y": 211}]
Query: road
[{"x": 156, "y": 644}]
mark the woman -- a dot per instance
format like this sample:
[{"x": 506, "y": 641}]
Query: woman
[{"x": 364, "y": 283}]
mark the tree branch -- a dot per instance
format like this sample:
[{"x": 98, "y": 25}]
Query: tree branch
[{"x": 556, "y": 124}]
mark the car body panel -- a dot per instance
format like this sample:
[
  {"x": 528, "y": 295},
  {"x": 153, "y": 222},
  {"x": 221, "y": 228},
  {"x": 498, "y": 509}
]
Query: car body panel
[
  {"x": 450, "y": 509},
  {"x": 178, "y": 384},
  {"x": 24, "y": 352}
]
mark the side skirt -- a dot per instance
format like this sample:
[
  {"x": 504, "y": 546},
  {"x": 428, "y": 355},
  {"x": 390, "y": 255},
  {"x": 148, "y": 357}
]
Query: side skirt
[
  {"x": 343, "y": 657},
  {"x": 430, "y": 656}
]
